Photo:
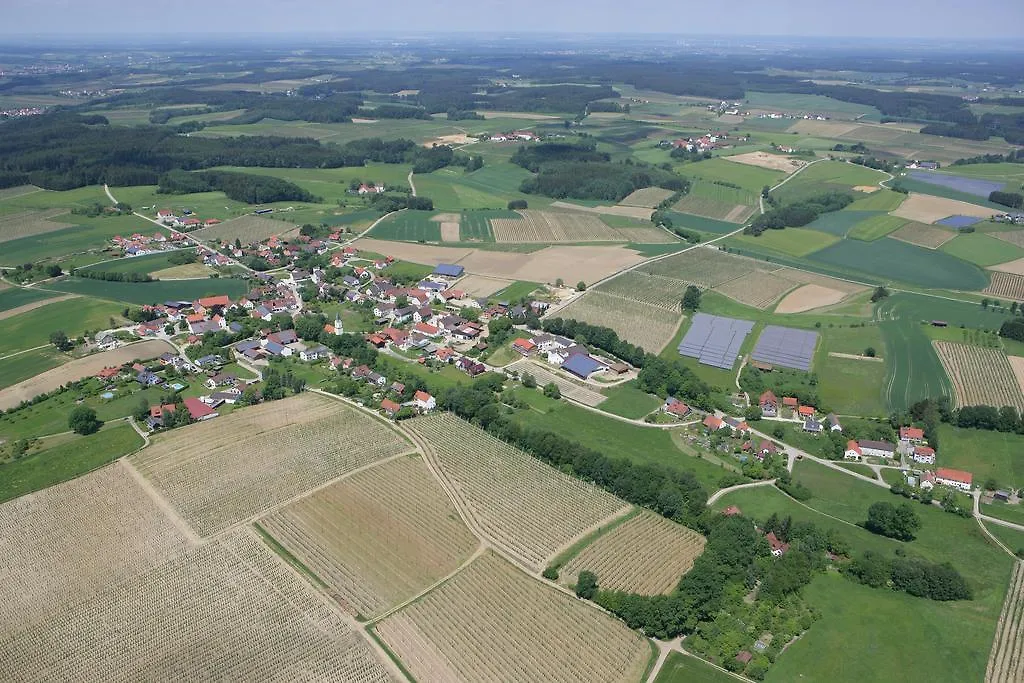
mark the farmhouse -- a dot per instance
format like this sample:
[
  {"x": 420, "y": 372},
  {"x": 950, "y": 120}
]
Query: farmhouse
[
  {"x": 813, "y": 426},
  {"x": 833, "y": 423},
  {"x": 955, "y": 478},
  {"x": 524, "y": 346},
  {"x": 769, "y": 404},
  {"x": 790, "y": 402},
  {"x": 714, "y": 423},
  {"x": 924, "y": 454},
  {"x": 912, "y": 435},
  {"x": 778, "y": 547},
  {"x": 390, "y": 407},
  {"x": 853, "y": 451},
  {"x": 673, "y": 406},
  {"x": 199, "y": 410},
  {"x": 424, "y": 401},
  {"x": 878, "y": 449}
]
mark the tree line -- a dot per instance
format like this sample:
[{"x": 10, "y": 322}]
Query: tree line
[
  {"x": 242, "y": 187},
  {"x": 799, "y": 213}
]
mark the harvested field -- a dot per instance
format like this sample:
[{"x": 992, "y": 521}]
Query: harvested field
[
  {"x": 411, "y": 251},
  {"x": 808, "y": 298},
  {"x": 928, "y": 209},
  {"x": 1015, "y": 267},
  {"x": 827, "y": 129},
  {"x": 1017, "y": 365},
  {"x": 980, "y": 376},
  {"x": 518, "y": 502},
  {"x": 627, "y": 211},
  {"x": 1006, "y": 659},
  {"x": 572, "y": 264},
  {"x": 646, "y": 554},
  {"x": 1007, "y": 285},
  {"x": 248, "y": 229},
  {"x": 867, "y": 189},
  {"x": 758, "y": 288},
  {"x": 647, "y": 235},
  {"x": 288, "y": 447},
  {"x": 642, "y": 324},
  {"x": 77, "y": 369},
  {"x": 928, "y": 236},
  {"x": 18, "y": 191},
  {"x": 376, "y": 538},
  {"x": 1012, "y": 236},
  {"x": 227, "y": 610},
  {"x": 656, "y": 291},
  {"x": 493, "y": 623},
  {"x": 713, "y": 208},
  {"x": 12, "y": 312},
  {"x": 449, "y": 226},
  {"x": 570, "y": 388},
  {"x": 809, "y": 278},
  {"x": 70, "y": 542},
  {"x": 28, "y": 223},
  {"x": 481, "y": 285},
  {"x": 704, "y": 266},
  {"x": 648, "y": 197},
  {"x": 774, "y": 162},
  {"x": 548, "y": 226}
]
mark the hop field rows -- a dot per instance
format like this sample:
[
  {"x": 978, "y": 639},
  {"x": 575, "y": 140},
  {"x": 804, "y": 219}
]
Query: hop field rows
[
  {"x": 980, "y": 376},
  {"x": 1006, "y": 659},
  {"x": 1006, "y": 285},
  {"x": 646, "y": 325}
]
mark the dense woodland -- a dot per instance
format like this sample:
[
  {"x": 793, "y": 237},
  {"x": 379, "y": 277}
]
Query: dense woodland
[
  {"x": 242, "y": 187},
  {"x": 799, "y": 213}
]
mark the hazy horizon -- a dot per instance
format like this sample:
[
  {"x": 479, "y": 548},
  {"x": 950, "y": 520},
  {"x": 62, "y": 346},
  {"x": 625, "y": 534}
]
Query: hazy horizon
[{"x": 883, "y": 19}]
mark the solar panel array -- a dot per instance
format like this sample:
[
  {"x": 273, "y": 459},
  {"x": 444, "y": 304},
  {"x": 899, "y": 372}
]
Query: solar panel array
[
  {"x": 714, "y": 340},
  {"x": 958, "y": 221},
  {"x": 786, "y": 346}
]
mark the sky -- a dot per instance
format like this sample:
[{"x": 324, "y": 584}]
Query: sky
[{"x": 998, "y": 19}]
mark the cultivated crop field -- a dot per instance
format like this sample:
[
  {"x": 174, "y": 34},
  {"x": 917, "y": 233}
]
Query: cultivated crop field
[
  {"x": 750, "y": 178},
  {"x": 981, "y": 376},
  {"x": 493, "y": 623},
  {"x": 548, "y": 226},
  {"x": 1007, "y": 285},
  {"x": 412, "y": 226},
  {"x": 570, "y": 388},
  {"x": 377, "y": 537},
  {"x": 653, "y": 290},
  {"x": 287, "y": 446},
  {"x": 881, "y": 200},
  {"x": 518, "y": 502},
  {"x": 645, "y": 325},
  {"x": 637, "y": 212},
  {"x": 720, "y": 202},
  {"x": 226, "y": 610},
  {"x": 647, "y": 554},
  {"x": 72, "y": 541},
  {"x": 758, "y": 288},
  {"x": 1006, "y": 660},
  {"x": 250, "y": 228},
  {"x": 28, "y": 223},
  {"x": 648, "y": 197},
  {"x": 927, "y": 209},
  {"x": 704, "y": 267},
  {"x": 876, "y": 227},
  {"x": 927, "y": 236}
]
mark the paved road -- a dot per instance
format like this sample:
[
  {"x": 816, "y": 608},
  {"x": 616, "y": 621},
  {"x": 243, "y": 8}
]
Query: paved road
[
  {"x": 412, "y": 186},
  {"x": 726, "y": 491}
]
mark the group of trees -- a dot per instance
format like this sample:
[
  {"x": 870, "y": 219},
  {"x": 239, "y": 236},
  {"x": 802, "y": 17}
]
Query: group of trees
[
  {"x": 1014, "y": 200},
  {"x": 83, "y": 420},
  {"x": 597, "y": 180},
  {"x": 799, "y": 213},
  {"x": 242, "y": 187},
  {"x": 895, "y": 521},
  {"x": 915, "y": 576},
  {"x": 111, "y": 276}
]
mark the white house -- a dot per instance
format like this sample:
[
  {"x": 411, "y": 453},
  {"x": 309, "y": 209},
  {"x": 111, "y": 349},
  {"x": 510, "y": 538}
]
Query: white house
[
  {"x": 853, "y": 451},
  {"x": 878, "y": 449},
  {"x": 424, "y": 401},
  {"x": 955, "y": 478},
  {"x": 924, "y": 454}
]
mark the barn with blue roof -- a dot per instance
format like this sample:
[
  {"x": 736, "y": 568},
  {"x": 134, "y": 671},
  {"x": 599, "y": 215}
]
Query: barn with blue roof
[
  {"x": 583, "y": 365},
  {"x": 448, "y": 270}
]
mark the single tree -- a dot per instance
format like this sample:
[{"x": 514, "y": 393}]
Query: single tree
[
  {"x": 60, "y": 340},
  {"x": 83, "y": 420},
  {"x": 551, "y": 390},
  {"x": 879, "y": 294},
  {"x": 870, "y": 352},
  {"x": 586, "y": 584},
  {"x": 529, "y": 381},
  {"x": 691, "y": 299},
  {"x": 581, "y": 286}
]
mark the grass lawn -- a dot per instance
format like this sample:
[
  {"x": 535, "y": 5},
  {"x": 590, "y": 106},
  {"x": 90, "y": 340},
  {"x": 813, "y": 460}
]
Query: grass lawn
[
  {"x": 411, "y": 226},
  {"x": 876, "y": 227},
  {"x": 996, "y": 455},
  {"x": 791, "y": 241},
  {"x": 135, "y": 264},
  {"x": 1010, "y": 513},
  {"x": 73, "y": 316},
  {"x": 680, "y": 668},
  {"x": 520, "y": 289},
  {"x": 846, "y": 385},
  {"x": 14, "y": 297},
  {"x": 750, "y": 178},
  {"x": 26, "y": 365},
  {"x": 981, "y": 249},
  {"x": 446, "y": 377},
  {"x": 70, "y": 459},
  {"x": 151, "y": 292},
  {"x": 1013, "y": 539},
  {"x": 628, "y": 401},
  {"x": 882, "y": 200}
]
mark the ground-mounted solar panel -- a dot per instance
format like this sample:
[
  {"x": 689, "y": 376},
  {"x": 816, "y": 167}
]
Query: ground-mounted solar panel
[
  {"x": 958, "y": 221},
  {"x": 786, "y": 346},
  {"x": 715, "y": 340}
]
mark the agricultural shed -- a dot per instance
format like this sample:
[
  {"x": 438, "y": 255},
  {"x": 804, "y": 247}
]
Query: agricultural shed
[
  {"x": 786, "y": 346},
  {"x": 448, "y": 270},
  {"x": 582, "y": 365},
  {"x": 715, "y": 340}
]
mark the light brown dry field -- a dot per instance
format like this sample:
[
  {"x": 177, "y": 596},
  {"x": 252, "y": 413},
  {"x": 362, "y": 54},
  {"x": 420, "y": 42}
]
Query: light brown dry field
[
  {"x": 645, "y": 325},
  {"x": 648, "y": 197},
  {"x": 549, "y": 226},
  {"x": 481, "y": 285},
  {"x": 1006, "y": 659},
  {"x": 1007, "y": 285},
  {"x": 77, "y": 369},
  {"x": 627, "y": 211},
  {"x": 823, "y": 128},
  {"x": 18, "y": 191},
  {"x": 657, "y": 291},
  {"x": 449, "y": 226},
  {"x": 980, "y": 376},
  {"x": 1013, "y": 267},
  {"x": 10, "y": 313},
  {"x": 27, "y": 223},
  {"x": 647, "y": 235},
  {"x": 248, "y": 229},
  {"x": 226, "y": 610},
  {"x": 411, "y": 251},
  {"x": 1012, "y": 236},
  {"x": 569, "y": 387},
  {"x": 72, "y": 541},
  {"x": 867, "y": 189},
  {"x": 452, "y": 139},
  {"x": 775, "y": 162},
  {"x": 288, "y": 447},
  {"x": 188, "y": 271},
  {"x": 808, "y": 278},
  {"x": 492, "y": 623},
  {"x": 927, "y": 236},
  {"x": 646, "y": 554},
  {"x": 515, "y": 501},
  {"x": 808, "y": 298},
  {"x": 1017, "y": 365},
  {"x": 705, "y": 267},
  {"x": 927, "y": 209},
  {"x": 758, "y": 288},
  {"x": 376, "y": 538}
]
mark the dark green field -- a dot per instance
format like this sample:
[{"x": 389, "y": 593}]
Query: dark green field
[
  {"x": 680, "y": 668},
  {"x": 686, "y": 220},
  {"x": 895, "y": 261},
  {"x": 140, "y": 265},
  {"x": 17, "y": 296},
  {"x": 151, "y": 292},
  {"x": 73, "y": 316},
  {"x": 409, "y": 226},
  {"x": 840, "y": 222}
]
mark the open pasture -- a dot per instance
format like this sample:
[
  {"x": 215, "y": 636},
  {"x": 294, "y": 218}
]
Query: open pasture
[
  {"x": 1006, "y": 660},
  {"x": 648, "y": 197},
  {"x": 1006, "y": 285},
  {"x": 18, "y": 300},
  {"x": 882, "y": 200},
  {"x": 569, "y": 388},
  {"x": 88, "y": 234},
  {"x": 826, "y": 176},
  {"x": 648, "y": 326},
  {"x": 493, "y": 623},
  {"x": 73, "y": 316},
  {"x": 138, "y": 265},
  {"x": 981, "y": 376},
  {"x": 178, "y": 621},
  {"x": 876, "y": 227},
  {"x": 982, "y": 249},
  {"x": 894, "y": 260},
  {"x": 646, "y": 554},
  {"x": 922, "y": 234},
  {"x": 377, "y": 537},
  {"x": 519, "y": 503},
  {"x": 796, "y": 242},
  {"x": 547, "y": 226},
  {"x": 17, "y": 191},
  {"x": 774, "y": 162},
  {"x": 49, "y": 567},
  {"x": 288, "y": 447},
  {"x": 28, "y": 223},
  {"x": 927, "y": 209},
  {"x": 750, "y": 178},
  {"x": 150, "y": 292},
  {"x": 248, "y": 229},
  {"x": 757, "y": 288}
]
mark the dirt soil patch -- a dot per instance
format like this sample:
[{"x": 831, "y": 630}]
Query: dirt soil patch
[
  {"x": 867, "y": 189},
  {"x": 4, "y": 315},
  {"x": 927, "y": 236},
  {"x": 809, "y": 297},
  {"x": 453, "y": 139},
  {"x": 481, "y": 285},
  {"x": 450, "y": 232},
  {"x": 572, "y": 264},
  {"x": 853, "y": 356},
  {"x": 770, "y": 161},
  {"x": 1017, "y": 364},
  {"x": 364, "y": 120},
  {"x": 638, "y": 212},
  {"x": 417, "y": 253},
  {"x": 928, "y": 209},
  {"x": 78, "y": 369},
  {"x": 1016, "y": 267}
]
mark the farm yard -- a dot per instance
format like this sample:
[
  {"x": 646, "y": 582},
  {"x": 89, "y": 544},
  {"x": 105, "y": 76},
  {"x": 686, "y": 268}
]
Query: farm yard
[
  {"x": 570, "y": 388},
  {"x": 519, "y": 503},
  {"x": 289, "y": 446},
  {"x": 377, "y": 537},
  {"x": 980, "y": 376},
  {"x": 1006, "y": 660},
  {"x": 231, "y": 595},
  {"x": 647, "y": 554},
  {"x": 646, "y": 325},
  {"x": 544, "y": 635},
  {"x": 249, "y": 228},
  {"x": 29, "y": 223},
  {"x": 1006, "y": 285},
  {"x": 927, "y": 236}
]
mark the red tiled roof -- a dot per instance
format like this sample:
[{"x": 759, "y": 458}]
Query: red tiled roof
[
  {"x": 390, "y": 406},
  {"x": 197, "y": 409},
  {"x": 911, "y": 433},
  {"x": 954, "y": 475},
  {"x": 422, "y": 396},
  {"x": 790, "y": 402}
]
